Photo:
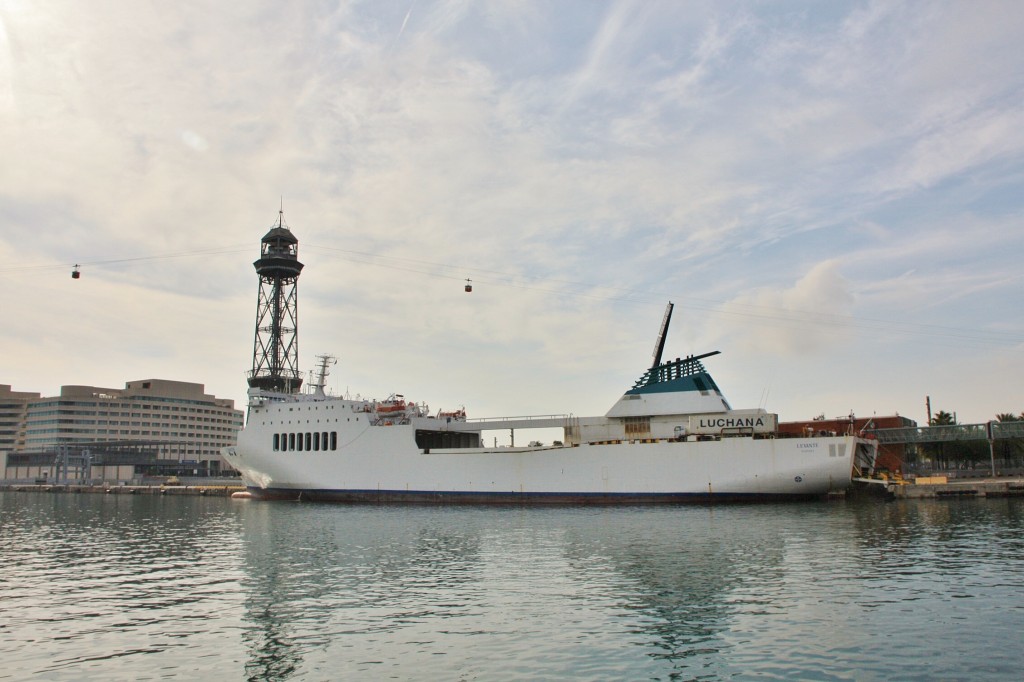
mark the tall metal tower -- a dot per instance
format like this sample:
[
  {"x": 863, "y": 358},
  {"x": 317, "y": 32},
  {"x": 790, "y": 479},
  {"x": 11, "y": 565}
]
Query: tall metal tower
[{"x": 275, "y": 355}]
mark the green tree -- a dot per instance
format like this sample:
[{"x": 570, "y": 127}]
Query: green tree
[{"x": 938, "y": 452}]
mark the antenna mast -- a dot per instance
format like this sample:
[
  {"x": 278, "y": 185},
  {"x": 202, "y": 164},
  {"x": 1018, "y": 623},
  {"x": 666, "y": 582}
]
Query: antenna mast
[
  {"x": 322, "y": 372},
  {"x": 659, "y": 345}
]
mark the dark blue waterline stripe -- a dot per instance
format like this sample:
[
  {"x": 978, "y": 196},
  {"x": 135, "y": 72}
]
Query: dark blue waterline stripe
[{"x": 484, "y": 497}]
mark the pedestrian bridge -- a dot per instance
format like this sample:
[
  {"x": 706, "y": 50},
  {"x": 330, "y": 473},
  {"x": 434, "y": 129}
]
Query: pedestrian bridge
[{"x": 947, "y": 433}]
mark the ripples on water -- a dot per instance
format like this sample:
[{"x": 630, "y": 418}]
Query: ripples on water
[{"x": 145, "y": 587}]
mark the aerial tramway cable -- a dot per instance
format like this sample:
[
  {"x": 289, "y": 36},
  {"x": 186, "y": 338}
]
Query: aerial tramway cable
[{"x": 566, "y": 288}]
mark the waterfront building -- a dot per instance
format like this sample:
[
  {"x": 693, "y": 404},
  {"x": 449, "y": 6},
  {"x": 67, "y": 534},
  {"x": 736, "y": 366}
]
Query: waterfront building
[
  {"x": 13, "y": 408},
  {"x": 171, "y": 421}
]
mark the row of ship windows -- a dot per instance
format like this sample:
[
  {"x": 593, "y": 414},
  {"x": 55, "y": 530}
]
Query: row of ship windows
[
  {"x": 308, "y": 421},
  {"x": 314, "y": 407},
  {"x": 326, "y": 440}
]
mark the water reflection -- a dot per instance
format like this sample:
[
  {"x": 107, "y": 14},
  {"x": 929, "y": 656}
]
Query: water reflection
[
  {"x": 320, "y": 576},
  {"x": 591, "y": 585},
  {"x": 95, "y": 587},
  {"x": 674, "y": 593},
  {"x": 91, "y": 578},
  {"x": 674, "y": 571}
]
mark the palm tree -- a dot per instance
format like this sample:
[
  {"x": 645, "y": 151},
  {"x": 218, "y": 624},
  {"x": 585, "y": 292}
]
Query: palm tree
[{"x": 938, "y": 450}]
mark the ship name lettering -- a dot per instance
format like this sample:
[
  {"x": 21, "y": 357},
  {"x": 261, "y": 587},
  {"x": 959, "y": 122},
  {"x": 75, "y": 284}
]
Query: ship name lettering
[{"x": 731, "y": 422}]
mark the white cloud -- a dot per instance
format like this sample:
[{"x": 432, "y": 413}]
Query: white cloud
[
  {"x": 194, "y": 140},
  {"x": 768, "y": 170},
  {"x": 810, "y": 316}
]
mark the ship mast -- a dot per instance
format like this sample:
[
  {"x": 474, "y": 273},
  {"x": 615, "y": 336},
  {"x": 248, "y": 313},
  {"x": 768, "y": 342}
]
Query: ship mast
[
  {"x": 659, "y": 344},
  {"x": 319, "y": 384}
]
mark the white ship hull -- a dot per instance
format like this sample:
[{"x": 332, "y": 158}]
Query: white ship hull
[
  {"x": 377, "y": 462},
  {"x": 672, "y": 437}
]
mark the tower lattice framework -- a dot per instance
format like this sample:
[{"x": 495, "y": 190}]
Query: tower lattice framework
[{"x": 275, "y": 356}]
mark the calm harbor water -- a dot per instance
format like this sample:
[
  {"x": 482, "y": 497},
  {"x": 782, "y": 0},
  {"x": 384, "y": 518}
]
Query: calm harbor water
[{"x": 148, "y": 587}]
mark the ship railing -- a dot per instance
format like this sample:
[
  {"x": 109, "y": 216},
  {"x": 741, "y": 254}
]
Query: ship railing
[
  {"x": 530, "y": 417},
  {"x": 269, "y": 395}
]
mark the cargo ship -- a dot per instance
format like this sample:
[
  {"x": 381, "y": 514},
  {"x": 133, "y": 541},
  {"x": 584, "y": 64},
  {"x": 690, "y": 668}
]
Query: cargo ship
[{"x": 670, "y": 438}]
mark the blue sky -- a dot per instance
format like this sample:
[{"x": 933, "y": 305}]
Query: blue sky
[{"x": 831, "y": 193}]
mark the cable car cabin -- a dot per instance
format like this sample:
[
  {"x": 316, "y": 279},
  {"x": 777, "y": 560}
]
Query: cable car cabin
[
  {"x": 75, "y": 273},
  {"x": 469, "y": 286}
]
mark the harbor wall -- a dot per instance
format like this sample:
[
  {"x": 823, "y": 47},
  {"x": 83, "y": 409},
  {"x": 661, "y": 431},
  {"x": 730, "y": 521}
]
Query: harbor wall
[
  {"x": 938, "y": 487},
  {"x": 211, "y": 490}
]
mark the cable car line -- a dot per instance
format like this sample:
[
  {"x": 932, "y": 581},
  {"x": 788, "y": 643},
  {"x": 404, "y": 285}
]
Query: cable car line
[{"x": 550, "y": 286}]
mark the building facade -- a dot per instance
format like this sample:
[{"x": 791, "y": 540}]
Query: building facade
[
  {"x": 13, "y": 409},
  {"x": 177, "y": 420}
]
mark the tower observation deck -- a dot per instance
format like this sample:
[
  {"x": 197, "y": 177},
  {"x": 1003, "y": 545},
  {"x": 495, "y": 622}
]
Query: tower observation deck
[{"x": 275, "y": 356}]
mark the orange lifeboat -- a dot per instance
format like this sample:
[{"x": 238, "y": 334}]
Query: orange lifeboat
[
  {"x": 458, "y": 415},
  {"x": 393, "y": 405}
]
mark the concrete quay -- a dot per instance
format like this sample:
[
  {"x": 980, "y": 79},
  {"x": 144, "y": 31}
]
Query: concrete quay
[
  {"x": 936, "y": 487},
  {"x": 211, "y": 490},
  {"x": 939, "y": 487}
]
